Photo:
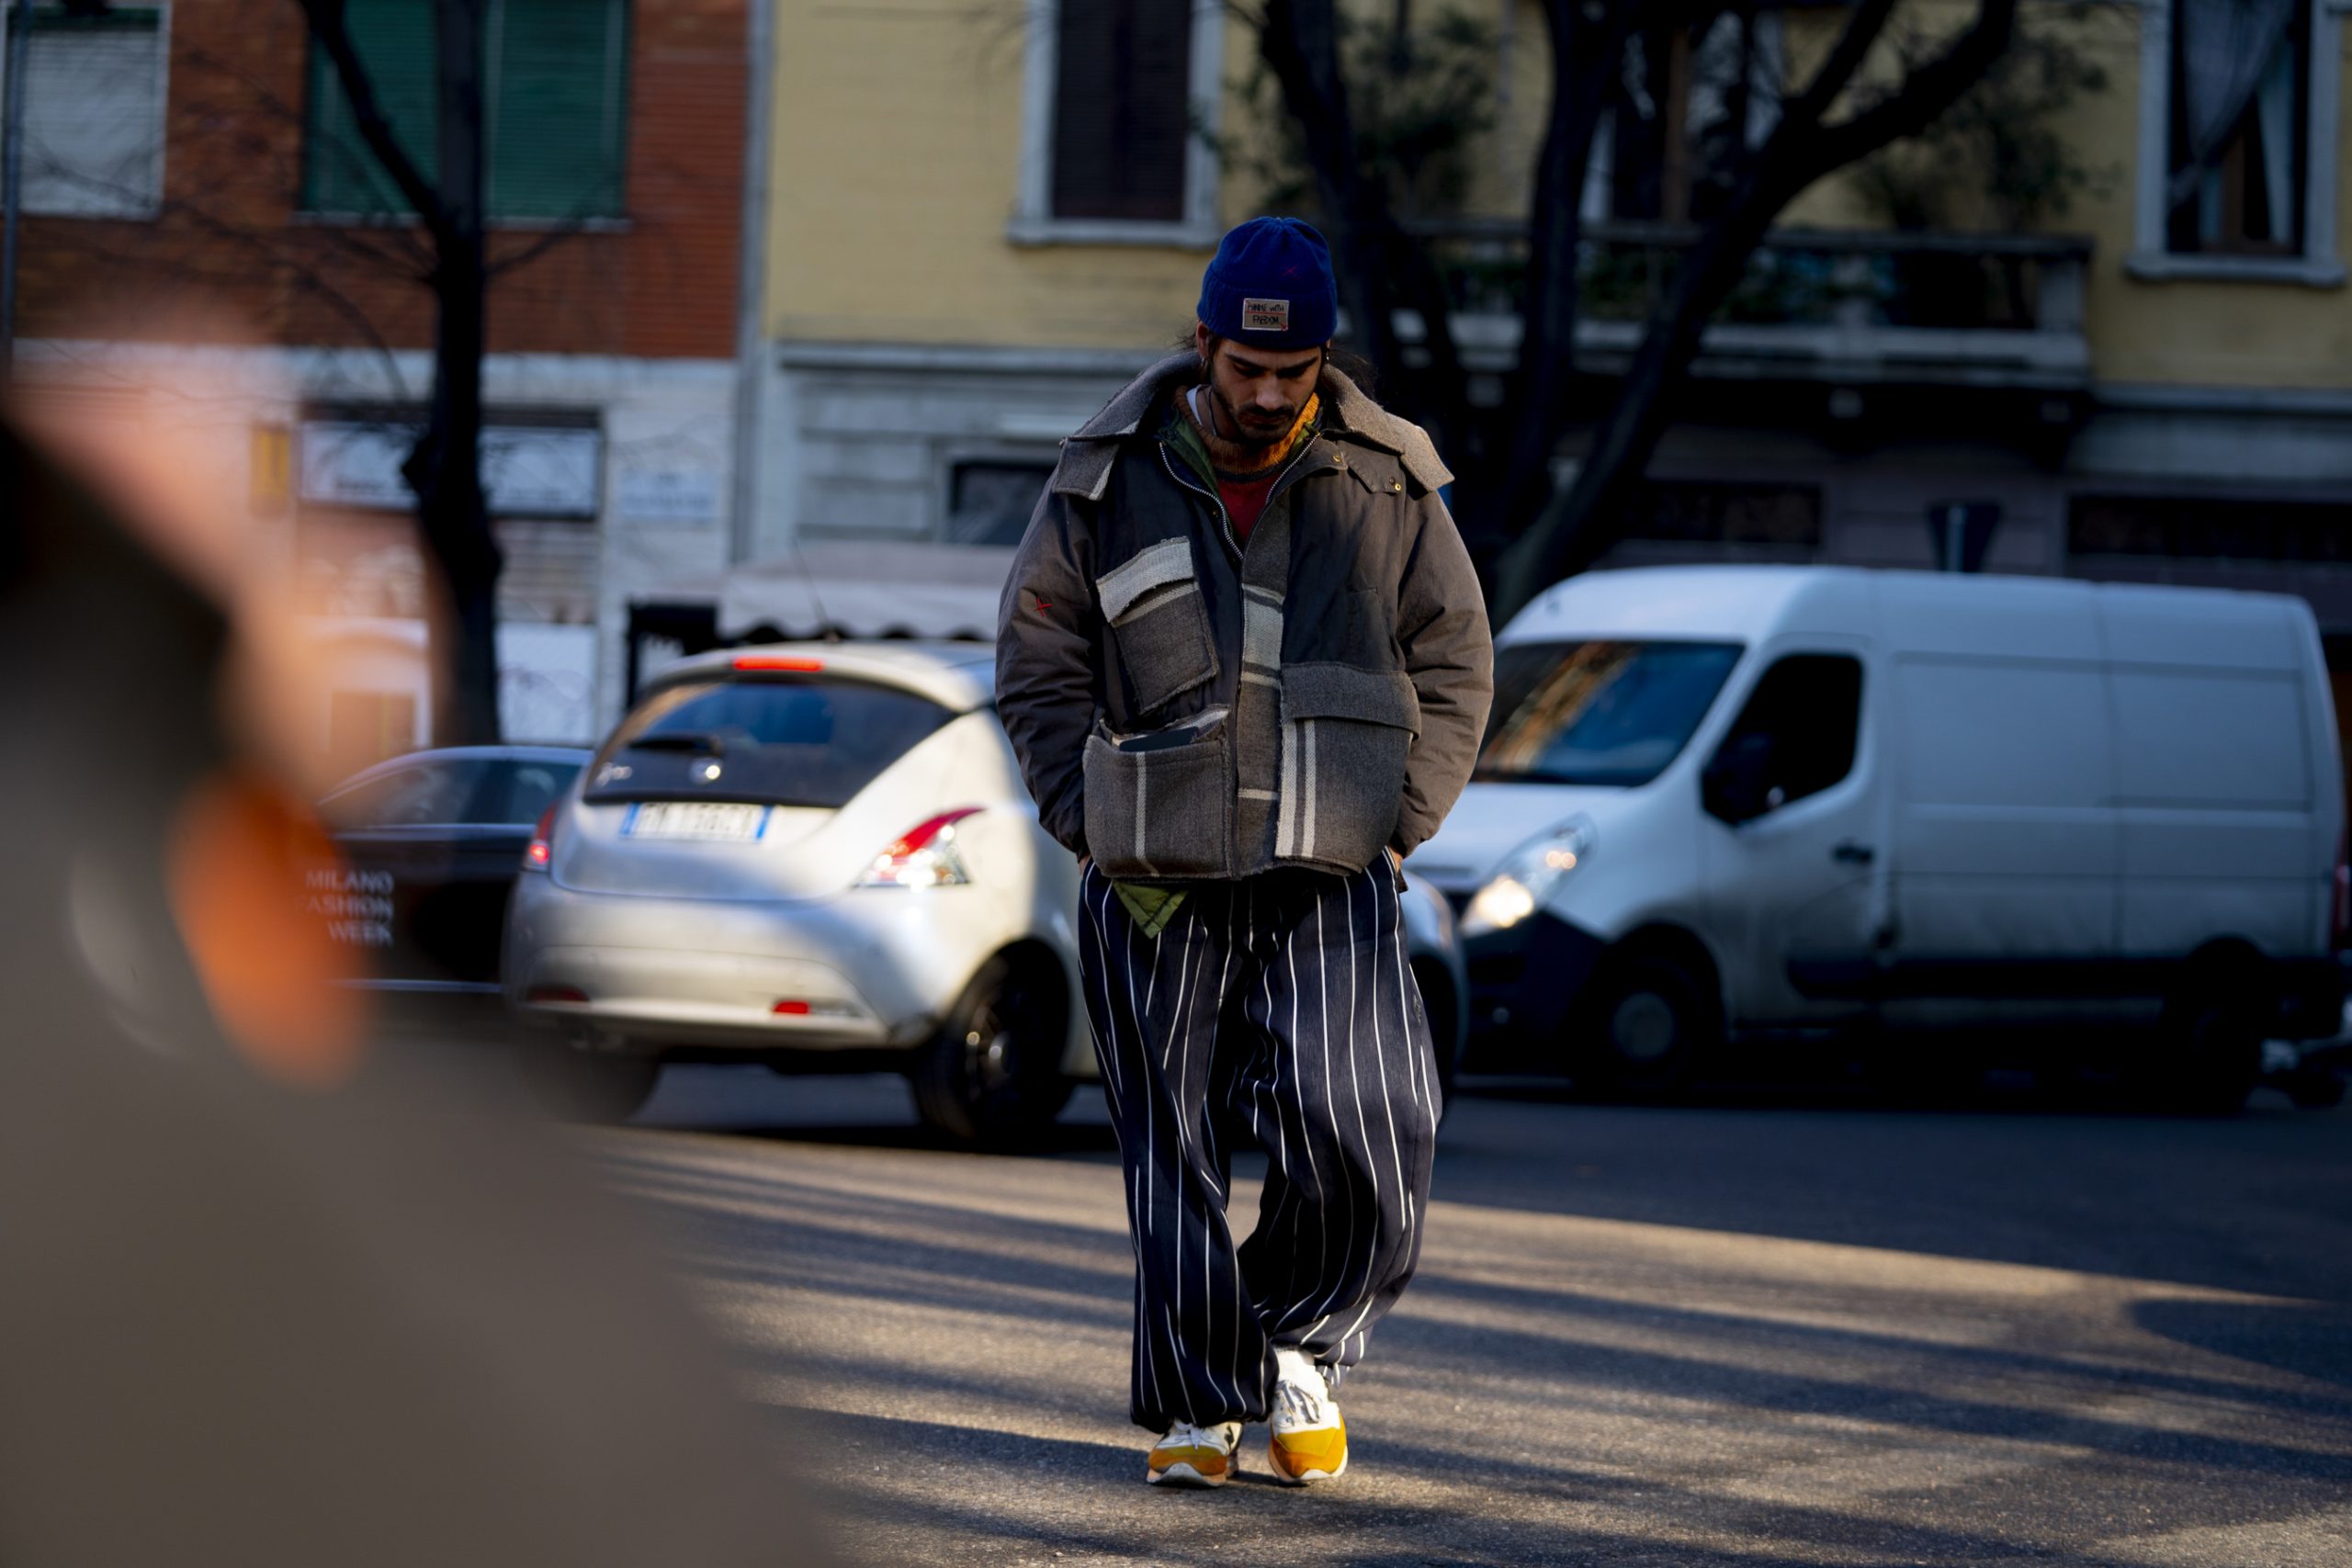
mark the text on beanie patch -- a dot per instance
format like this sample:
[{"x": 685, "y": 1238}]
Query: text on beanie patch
[{"x": 1265, "y": 315}]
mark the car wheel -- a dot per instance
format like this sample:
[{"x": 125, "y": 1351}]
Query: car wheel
[
  {"x": 993, "y": 1076},
  {"x": 585, "y": 1086},
  {"x": 2210, "y": 1058},
  {"x": 1640, "y": 1027}
]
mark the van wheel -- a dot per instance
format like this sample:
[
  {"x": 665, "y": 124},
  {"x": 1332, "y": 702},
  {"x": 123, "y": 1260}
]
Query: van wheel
[
  {"x": 1640, "y": 1028},
  {"x": 993, "y": 1076},
  {"x": 2210, "y": 1058},
  {"x": 583, "y": 1086}
]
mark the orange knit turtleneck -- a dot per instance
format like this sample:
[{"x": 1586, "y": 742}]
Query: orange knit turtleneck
[
  {"x": 1234, "y": 457},
  {"x": 1245, "y": 474}
]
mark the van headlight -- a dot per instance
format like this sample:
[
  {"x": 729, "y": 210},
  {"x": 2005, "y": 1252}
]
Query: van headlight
[{"x": 1526, "y": 878}]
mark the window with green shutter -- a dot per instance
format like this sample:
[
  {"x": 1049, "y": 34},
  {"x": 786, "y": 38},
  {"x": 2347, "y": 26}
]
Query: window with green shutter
[{"x": 555, "y": 103}]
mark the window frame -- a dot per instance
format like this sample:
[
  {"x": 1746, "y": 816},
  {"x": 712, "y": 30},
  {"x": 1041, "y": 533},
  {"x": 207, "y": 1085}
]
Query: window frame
[
  {"x": 1034, "y": 222},
  {"x": 623, "y": 14},
  {"x": 958, "y": 458},
  {"x": 152, "y": 207},
  {"x": 328, "y": 422},
  {"x": 2316, "y": 265}
]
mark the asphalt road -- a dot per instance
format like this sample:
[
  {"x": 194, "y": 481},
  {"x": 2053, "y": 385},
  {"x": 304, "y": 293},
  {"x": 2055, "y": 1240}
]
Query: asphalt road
[{"x": 1816, "y": 1331}]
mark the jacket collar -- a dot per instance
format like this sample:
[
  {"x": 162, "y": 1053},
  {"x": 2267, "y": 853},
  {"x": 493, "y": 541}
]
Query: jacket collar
[{"x": 1347, "y": 415}]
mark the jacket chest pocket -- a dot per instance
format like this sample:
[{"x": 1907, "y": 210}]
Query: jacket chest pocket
[
  {"x": 1153, "y": 603},
  {"x": 1348, "y": 733}
]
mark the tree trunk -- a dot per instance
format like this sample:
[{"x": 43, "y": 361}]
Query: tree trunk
[
  {"x": 1586, "y": 51},
  {"x": 1380, "y": 269},
  {"x": 446, "y": 469},
  {"x": 1573, "y": 529}
]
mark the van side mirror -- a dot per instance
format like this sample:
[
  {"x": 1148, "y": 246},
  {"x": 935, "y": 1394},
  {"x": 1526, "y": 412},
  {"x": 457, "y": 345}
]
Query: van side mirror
[{"x": 1737, "y": 785}]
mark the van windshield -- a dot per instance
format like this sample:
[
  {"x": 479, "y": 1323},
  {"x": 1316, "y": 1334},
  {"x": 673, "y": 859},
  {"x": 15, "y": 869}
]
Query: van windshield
[
  {"x": 775, "y": 741},
  {"x": 1597, "y": 711}
]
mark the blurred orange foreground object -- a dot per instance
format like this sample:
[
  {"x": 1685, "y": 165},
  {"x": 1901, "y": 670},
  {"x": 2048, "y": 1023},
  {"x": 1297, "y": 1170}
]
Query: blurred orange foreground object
[
  {"x": 239, "y": 853},
  {"x": 172, "y": 481}
]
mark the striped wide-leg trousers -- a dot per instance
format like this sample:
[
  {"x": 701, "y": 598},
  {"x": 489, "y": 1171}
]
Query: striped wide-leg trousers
[{"x": 1278, "y": 1010}]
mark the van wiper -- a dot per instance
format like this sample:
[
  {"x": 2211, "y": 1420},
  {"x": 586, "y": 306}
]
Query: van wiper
[{"x": 682, "y": 741}]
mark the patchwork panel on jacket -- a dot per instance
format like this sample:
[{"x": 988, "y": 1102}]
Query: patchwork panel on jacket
[
  {"x": 1155, "y": 566},
  {"x": 1153, "y": 603},
  {"x": 1347, "y": 734},
  {"x": 1159, "y": 812}
]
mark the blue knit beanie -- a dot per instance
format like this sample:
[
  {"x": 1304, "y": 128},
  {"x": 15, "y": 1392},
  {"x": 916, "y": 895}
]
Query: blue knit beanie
[{"x": 1271, "y": 286}]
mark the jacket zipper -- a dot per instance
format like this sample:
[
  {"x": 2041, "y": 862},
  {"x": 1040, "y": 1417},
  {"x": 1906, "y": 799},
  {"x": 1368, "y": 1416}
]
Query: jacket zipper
[
  {"x": 1225, "y": 532},
  {"x": 1224, "y": 522}
]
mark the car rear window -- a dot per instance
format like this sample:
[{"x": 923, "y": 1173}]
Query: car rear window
[
  {"x": 776, "y": 740},
  {"x": 427, "y": 793},
  {"x": 515, "y": 792},
  {"x": 473, "y": 791}
]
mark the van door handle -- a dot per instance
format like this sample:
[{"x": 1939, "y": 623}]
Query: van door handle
[{"x": 1852, "y": 853}]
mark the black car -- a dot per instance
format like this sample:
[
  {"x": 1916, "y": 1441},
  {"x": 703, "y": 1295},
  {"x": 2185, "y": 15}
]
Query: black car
[{"x": 432, "y": 842}]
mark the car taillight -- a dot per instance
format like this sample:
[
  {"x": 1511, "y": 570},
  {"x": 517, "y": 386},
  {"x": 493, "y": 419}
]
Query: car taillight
[
  {"x": 925, "y": 856},
  {"x": 540, "y": 849},
  {"x": 795, "y": 663}
]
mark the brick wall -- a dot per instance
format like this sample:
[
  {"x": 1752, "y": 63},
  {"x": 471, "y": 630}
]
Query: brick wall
[{"x": 231, "y": 257}]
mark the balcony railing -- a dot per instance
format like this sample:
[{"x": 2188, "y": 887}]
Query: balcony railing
[{"x": 1832, "y": 303}]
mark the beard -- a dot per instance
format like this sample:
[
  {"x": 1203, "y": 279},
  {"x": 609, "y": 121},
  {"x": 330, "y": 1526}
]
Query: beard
[{"x": 1250, "y": 426}]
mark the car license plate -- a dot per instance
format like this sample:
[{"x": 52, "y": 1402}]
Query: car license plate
[{"x": 694, "y": 819}]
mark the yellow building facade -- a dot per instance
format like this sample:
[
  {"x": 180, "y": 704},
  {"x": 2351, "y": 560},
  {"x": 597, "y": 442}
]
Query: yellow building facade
[{"x": 958, "y": 272}]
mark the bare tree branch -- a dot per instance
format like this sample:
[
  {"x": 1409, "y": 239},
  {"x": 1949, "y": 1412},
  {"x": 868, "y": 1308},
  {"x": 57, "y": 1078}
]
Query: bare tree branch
[
  {"x": 1574, "y": 527},
  {"x": 1927, "y": 91},
  {"x": 1381, "y": 268},
  {"x": 1584, "y": 53},
  {"x": 259, "y": 90},
  {"x": 540, "y": 245},
  {"x": 330, "y": 26},
  {"x": 1846, "y": 57},
  {"x": 1301, "y": 46},
  {"x": 309, "y": 279}
]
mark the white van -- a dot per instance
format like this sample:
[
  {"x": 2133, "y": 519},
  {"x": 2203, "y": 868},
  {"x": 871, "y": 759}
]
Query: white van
[{"x": 1735, "y": 803}]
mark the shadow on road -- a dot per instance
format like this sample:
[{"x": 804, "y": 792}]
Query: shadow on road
[
  {"x": 2308, "y": 1340},
  {"x": 1700, "y": 1385}
]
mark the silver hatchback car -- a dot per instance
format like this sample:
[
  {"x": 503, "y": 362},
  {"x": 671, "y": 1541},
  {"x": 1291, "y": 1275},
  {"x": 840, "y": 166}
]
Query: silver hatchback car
[{"x": 822, "y": 857}]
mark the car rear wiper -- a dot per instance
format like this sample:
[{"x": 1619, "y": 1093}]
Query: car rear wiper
[{"x": 682, "y": 741}]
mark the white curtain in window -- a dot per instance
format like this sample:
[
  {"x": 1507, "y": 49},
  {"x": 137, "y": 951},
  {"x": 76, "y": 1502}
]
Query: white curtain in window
[
  {"x": 94, "y": 122},
  {"x": 2227, "y": 47},
  {"x": 2274, "y": 101}
]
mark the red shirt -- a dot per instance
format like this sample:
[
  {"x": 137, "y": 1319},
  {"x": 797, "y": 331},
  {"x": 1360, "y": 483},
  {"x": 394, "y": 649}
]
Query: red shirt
[{"x": 1244, "y": 500}]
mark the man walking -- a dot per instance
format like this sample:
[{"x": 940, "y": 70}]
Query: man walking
[{"x": 1245, "y": 663}]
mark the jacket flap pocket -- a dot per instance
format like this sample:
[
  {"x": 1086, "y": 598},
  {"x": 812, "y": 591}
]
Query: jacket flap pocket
[
  {"x": 1171, "y": 560},
  {"x": 1344, "y": 690}
]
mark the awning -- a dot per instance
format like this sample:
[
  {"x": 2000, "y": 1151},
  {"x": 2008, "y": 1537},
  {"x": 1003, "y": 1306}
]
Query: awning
[{"x": 853, "y": 588}]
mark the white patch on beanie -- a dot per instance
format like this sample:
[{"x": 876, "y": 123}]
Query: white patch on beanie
[{"x": 1265, "y": 315}]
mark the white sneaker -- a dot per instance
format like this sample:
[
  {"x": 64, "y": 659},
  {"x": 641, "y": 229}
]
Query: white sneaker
[
  {"x": 1194, "y": 1456},
  {"x": 1309, "y": 1442}
]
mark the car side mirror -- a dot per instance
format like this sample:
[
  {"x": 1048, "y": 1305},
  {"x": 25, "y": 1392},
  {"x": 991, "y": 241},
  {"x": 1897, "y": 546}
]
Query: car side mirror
[{"x": 1737, "y": 785}]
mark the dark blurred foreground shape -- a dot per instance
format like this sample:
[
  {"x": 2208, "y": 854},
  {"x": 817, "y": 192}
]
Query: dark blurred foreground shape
[{"x": 263, "y": 1306}]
